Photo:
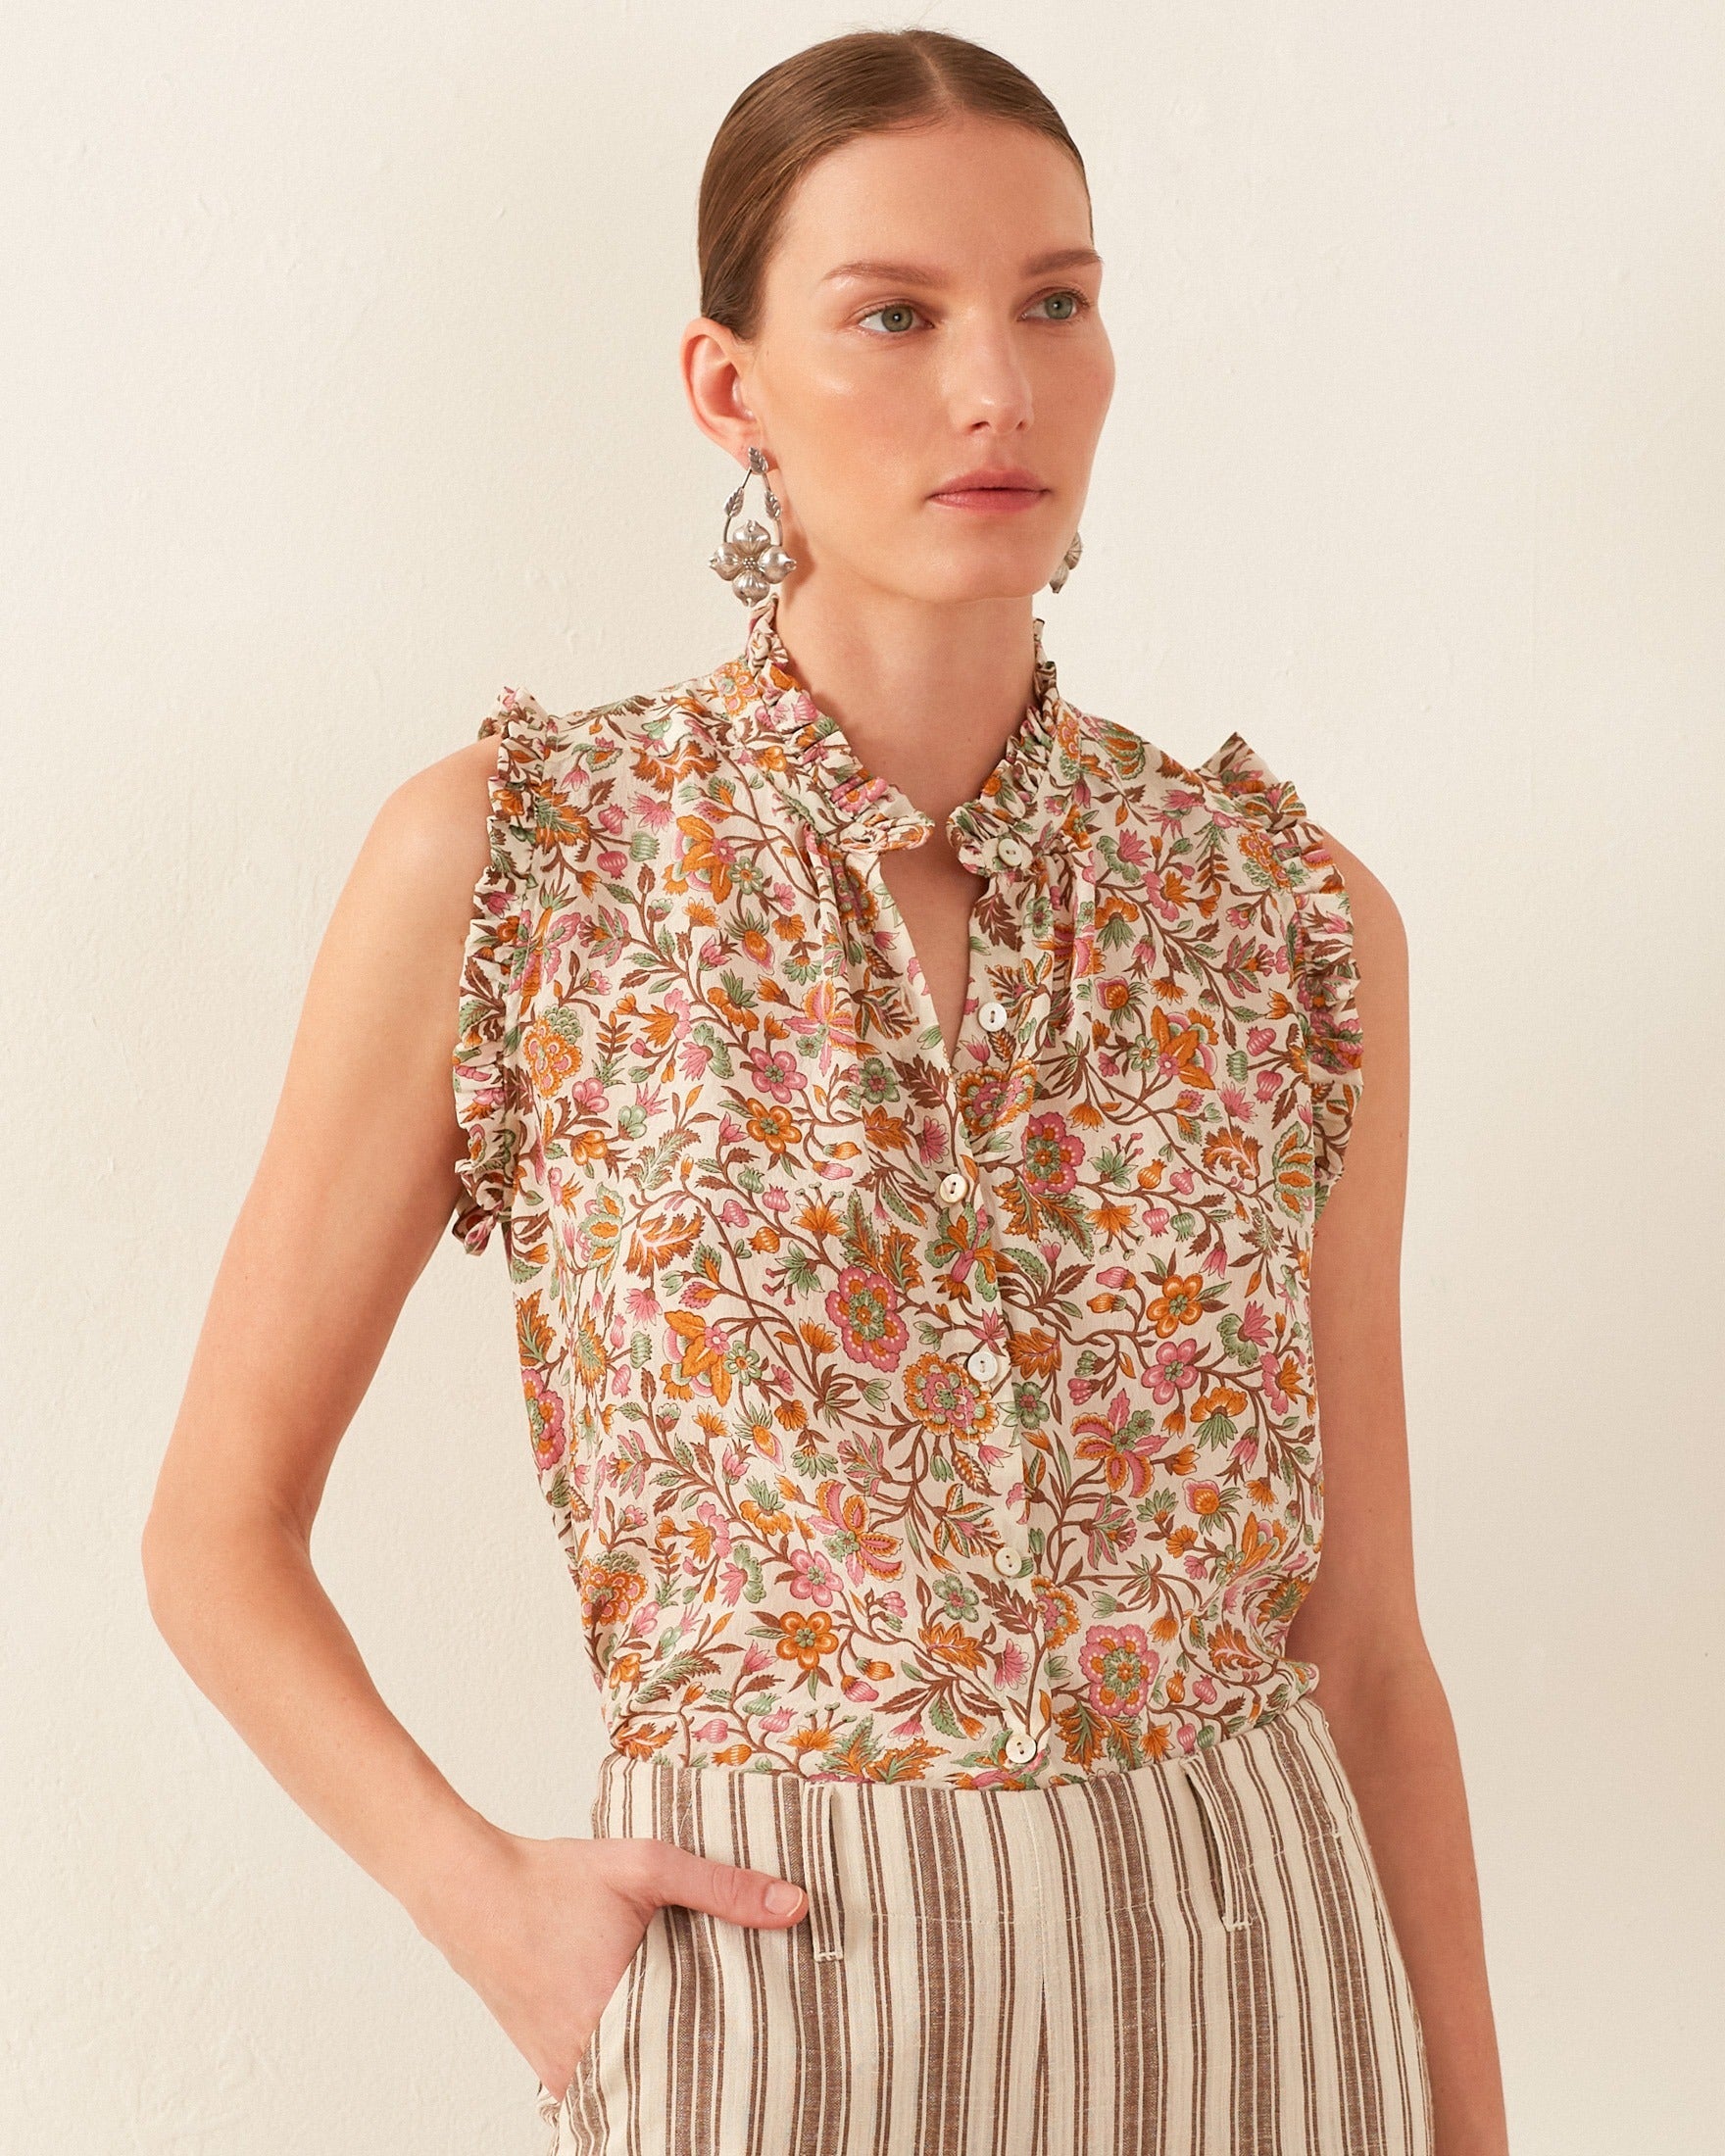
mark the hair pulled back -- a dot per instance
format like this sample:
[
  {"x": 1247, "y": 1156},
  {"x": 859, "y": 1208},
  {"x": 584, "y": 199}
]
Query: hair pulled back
[{"x": 865, "y": 82}]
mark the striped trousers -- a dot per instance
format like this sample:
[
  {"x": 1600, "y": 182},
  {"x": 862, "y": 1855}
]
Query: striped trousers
[{"x": 1191, "y": 1959}]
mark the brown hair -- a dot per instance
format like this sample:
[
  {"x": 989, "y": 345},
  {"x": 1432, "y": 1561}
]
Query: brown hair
[{"x": 862, "y": 83}]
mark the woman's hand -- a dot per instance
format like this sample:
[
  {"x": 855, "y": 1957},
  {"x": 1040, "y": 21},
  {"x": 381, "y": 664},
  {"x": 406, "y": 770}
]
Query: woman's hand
[{"x": 544, "y": 1931}]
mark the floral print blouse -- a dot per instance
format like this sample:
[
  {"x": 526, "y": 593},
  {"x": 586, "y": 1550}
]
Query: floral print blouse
[{"x": 899, "y": 1417}]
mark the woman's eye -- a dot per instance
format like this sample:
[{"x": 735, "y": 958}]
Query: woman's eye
[
  {"x": 891, "y": 306},
  {"x": 1075, "y": 303}
]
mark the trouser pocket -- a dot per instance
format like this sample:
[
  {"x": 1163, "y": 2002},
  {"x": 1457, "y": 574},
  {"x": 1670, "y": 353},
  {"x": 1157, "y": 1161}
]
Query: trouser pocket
[{"x": 1215, "y": 1814}]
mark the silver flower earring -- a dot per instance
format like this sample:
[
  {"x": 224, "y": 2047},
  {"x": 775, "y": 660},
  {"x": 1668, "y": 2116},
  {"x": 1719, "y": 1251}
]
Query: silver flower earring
[
  {"x": 755, "y": 560},
  {"x": 1068, "y": 562}
]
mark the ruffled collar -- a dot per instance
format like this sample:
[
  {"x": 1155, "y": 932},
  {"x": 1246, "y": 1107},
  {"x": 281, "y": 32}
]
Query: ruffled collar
[{"x": 1023, "y": 801}]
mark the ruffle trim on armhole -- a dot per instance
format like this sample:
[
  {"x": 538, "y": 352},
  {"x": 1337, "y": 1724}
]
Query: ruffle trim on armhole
[
  {"x": 492, "y": 1091},
  {"x": 1325, "y": 972}
]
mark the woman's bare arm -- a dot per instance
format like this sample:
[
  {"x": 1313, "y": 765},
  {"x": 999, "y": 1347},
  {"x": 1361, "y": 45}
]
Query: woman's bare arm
[
  {"x": 354, "y": 1192},
  {"x": 1360, "y": 1622}
]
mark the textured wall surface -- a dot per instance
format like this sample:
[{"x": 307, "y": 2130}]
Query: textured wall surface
[{"x": 340, "y": 390}]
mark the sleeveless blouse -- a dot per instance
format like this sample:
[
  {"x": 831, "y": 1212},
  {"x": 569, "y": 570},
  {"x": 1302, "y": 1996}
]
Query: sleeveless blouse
[{"x": 903, "y": 1417}]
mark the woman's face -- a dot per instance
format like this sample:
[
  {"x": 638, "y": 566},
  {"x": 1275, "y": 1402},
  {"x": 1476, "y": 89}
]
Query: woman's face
[{"x": 930, "y": 308}]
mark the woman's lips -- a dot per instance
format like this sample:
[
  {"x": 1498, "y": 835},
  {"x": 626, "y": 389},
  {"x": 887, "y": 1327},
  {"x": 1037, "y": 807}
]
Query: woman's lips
[{"x": 999, "y": 500}]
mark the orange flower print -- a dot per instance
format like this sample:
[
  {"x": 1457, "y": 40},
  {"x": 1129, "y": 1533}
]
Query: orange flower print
[
  {"x": 609, "y": 1592},
  {"x": 703, "y": 1360},
  {"x": 1181, "y": 1303},
  {"x": 552, "y": 1056},
  {"x": 945, "y": 1398},
  {"x": 775, "y": 1128},
  {"x": 1204, "y": 1498},
  {"x": 1121, "y": 1665},
  {"x": 1057, "y": 1609},
  {"x": 808, "y": 1637},
  {"x": 704, "y": 858},
  {"x": 1179, "y": 1050}
]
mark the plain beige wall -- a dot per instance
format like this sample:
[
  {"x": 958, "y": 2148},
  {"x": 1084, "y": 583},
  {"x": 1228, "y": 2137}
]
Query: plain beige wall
[{"x": 340, "y": 391}]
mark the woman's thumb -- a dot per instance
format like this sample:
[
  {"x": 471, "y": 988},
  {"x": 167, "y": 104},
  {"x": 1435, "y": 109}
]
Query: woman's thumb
[{"x": 729, "y": 1891}]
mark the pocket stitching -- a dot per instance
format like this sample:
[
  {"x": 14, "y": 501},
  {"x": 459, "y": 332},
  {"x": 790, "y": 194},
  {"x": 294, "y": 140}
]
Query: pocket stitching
[
  {"x": 1218, "y": 1852},
  {"x": 825, "y": 1915}
]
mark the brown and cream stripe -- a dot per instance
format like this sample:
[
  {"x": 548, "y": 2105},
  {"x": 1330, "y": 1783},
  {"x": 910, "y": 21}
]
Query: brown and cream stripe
[{"x": 1191, "y": 1959}]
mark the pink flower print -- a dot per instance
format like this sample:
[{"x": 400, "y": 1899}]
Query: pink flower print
[
  {"x": 545, "y": 1419},
  {"x": 1125, "y": 1444},
  {"x": 864, "y": 1307},
  {"x": 1131, "y": 848},
  {"x": 1176, "y": 1368},
  {"x": 812, "y": 1577},
  {"x": 1051, "y": 1155},
  {"x": 1183, "y": 1180},
  {"x": 1255, "y": 1325},
  {"x": 1204, "y": 1498},
  {"x": 1269, "y": 1083},
  {"x": 1120, "y": 1664},
  {"x": 776, "y": 1071},
  {"x": 710, "y": 1732},
  {"x": 1011, "y": 1665},
  {"x": 859, "y": 1690},
  {"x": 1259, "y": 1040},
  {"x": 1205, "y": 1689}
]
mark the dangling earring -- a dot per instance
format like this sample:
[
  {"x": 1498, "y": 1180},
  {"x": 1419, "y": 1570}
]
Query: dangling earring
[
  {"x": 755, "y": 560},
  {"x": 1068, "y": 562}
]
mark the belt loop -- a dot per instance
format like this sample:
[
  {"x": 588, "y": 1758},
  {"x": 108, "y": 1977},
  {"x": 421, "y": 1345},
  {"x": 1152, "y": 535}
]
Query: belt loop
[
  {"x": 826, "y": 1899},
  {"x": 1221, "y": 1845}
]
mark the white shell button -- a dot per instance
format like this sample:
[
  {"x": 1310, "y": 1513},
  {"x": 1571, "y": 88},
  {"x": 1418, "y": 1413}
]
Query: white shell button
[
  {"x": 1021, "y": 1746},
  {"x": 984, "y": 1365},
  {"x": 1013, "y": 852},
  {"x": 1010, "y": 1565},
  {"x": 993, "y": 1016},
  {"x": 953, "y": 1187}
]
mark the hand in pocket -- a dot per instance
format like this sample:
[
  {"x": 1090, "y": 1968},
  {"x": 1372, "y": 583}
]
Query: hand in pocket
[{"x": 544, "y": 1931}]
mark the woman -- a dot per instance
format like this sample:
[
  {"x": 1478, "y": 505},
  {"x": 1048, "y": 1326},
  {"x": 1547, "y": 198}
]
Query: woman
[{"x": 908, "y": 1103}]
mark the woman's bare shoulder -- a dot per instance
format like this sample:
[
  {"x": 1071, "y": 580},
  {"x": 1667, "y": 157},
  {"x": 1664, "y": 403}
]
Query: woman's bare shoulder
[{"x": 426, "y": 848}]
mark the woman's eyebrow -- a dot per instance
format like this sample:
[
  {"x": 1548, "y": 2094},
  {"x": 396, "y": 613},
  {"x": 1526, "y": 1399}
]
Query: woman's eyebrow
[{"x": 912, "y": 273}]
